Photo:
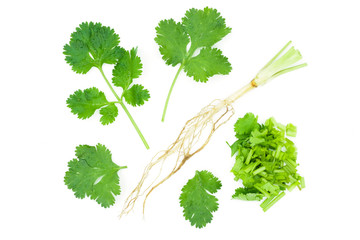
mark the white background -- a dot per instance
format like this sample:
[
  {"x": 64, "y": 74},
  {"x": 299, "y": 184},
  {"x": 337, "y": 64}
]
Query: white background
[{"x": 39, "y": 134}]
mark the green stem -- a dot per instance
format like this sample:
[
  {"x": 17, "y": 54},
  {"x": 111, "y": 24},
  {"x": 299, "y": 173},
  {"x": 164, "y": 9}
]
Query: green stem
[
  {"x": 109, "y": 84},
  {"x": 113, "y": 102},
  {"x": 171, "y": 88},
  {"x": 134, "y": 124},
  {"x": 119, "y": 168},
  {"x": 124, "y": 108},
  {"x": 266, "y": 201},
  {"x": 276, "y": 199}
]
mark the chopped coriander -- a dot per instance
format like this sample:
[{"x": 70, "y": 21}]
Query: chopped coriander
[{"x": 265, "y": 160}]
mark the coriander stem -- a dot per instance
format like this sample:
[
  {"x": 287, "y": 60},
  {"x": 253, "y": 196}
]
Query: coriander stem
[
  {"x": 171, "y": 88},
  {"x": 134, "y": 124},
  {"x": 275, "y": 200},
  {"x": 109, "y": 84},
  {"x": 266, "y": 201},
  {"x": 125, "y": 109},
  {"x": 239, "y": 93},
  {"x": 117, "y": 168}
]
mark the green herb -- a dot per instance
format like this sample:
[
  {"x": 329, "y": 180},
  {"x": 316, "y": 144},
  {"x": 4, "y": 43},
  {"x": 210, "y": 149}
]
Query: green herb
[
  {"x": 201, "y": 29},
  {"x": 197, "y": 199},
  {"x": 94, "y": 174},
  {"x": 92, "y": 45},
  {"x": 265, "y": 160}
]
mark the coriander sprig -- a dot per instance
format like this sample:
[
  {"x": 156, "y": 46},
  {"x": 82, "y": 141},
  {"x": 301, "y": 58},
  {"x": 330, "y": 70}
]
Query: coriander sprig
[
  {"x": 92, "y": 45},
  {"x": 201, "y": 29}
]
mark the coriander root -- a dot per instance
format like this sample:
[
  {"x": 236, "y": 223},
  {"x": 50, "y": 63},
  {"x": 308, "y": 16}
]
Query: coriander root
[{"x": 201, "y": 127}]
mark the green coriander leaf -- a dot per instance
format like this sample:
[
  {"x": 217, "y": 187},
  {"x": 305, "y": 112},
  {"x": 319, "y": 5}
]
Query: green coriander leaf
[
  {"x": 94, "y": 174},
  {"x": 136, "y": 95},
  {"x": 258, "y": 137},
  {"x": 247, "y": 194},
  {"x": 92, "y": 45},
  {"x": 128, "y": 68},
  {"x": 85, "y": 103},
  {"x": 256, "y": 140},
  {"x": 205, "y": 27},
  {"x": 172, "y": 40},
  {"x": 207, "y": 63},
  {"x": 136, "y": 65},
  {"x": 197, "y": 199},
  {"x": 248, "y": 179},
  {"x": 246, "y": 124},
  {"x": 181, "y": 42},
  {"x": 109, "y": 113}
]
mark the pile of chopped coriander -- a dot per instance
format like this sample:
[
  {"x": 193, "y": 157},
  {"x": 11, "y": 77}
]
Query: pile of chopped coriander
[{"x": 265, "y": 160}]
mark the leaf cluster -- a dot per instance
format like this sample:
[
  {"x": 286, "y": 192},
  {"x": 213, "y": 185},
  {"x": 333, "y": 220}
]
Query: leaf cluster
[
  {"x": 198, "y": 31},
  {"x": 92, "y": 45},
  {"x": 197, "y": 198},
  {"x": 93, "y": 174}
]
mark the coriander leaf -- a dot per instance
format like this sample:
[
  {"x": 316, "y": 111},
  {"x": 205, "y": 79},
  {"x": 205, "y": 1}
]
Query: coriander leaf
[
  {"x": 207, "y": 63},
  {"x": 205, "y": 27},
  {"x": 127, "y": 68},
  {"x": 109, "y": 113},
  {"x": 172, "y": 40},
  {"x": 189, "y": 44},
  {"x": 94, "y": 174},
  {"x": 256, "y": 140},
  {"x": 197, "y": 200},
  {"x": 85, "y": 103},
  {"x": 247, "y": 194},
  {"x": 258, "y": 137},
  {"x": 136, "y": 65},
  {"x": 136, "y": 95},
  {"x": 246, "y": 124},
  {"x": 92, "y": 45}
]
